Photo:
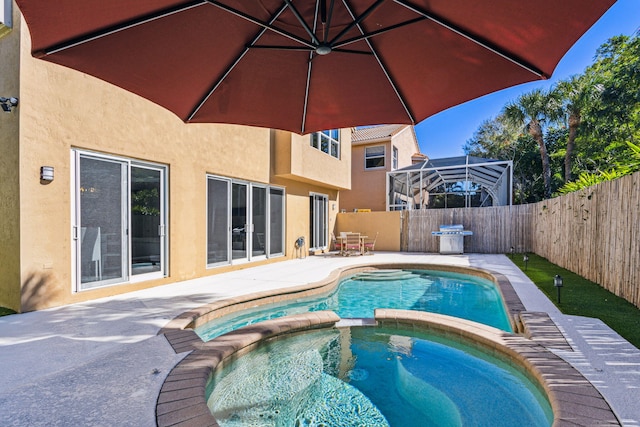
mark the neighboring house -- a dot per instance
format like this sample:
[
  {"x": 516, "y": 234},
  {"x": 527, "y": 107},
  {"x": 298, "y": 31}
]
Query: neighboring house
[
  {"x": 104, "y": 192},
  {"x": 375, "y": 151}
]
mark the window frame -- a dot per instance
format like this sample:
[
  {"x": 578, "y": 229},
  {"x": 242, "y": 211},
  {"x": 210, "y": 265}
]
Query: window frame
[
  {"x": 327, "y": 141},
  {"x": 394, "y": 157},
  {"x": 382, "y": 156},
  {"x": 319, "y": 221},
  {"x": 249, "y": 238},
  {"x": 126, "y": 238}
]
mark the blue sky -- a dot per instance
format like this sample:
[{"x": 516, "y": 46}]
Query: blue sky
[{"x": 444, "y": 134}]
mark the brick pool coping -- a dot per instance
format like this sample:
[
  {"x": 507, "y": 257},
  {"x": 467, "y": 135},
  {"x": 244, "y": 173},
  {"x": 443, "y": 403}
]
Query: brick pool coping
[{"x": 182, "y": 399}]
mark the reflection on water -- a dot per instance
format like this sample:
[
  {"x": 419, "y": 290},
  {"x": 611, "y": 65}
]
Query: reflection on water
[
  {"x": 453, "y": 294},
  {"x": 373, "y": 377}
]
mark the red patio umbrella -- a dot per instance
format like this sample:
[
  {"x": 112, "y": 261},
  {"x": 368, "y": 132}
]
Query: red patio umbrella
[{"x": 308, "y": 65}]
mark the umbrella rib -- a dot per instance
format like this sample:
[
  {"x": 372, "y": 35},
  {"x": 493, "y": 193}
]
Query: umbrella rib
[
  {"x": 357, "y": 52},
  {"x": 265, "y": 25},
  {"x": 356, "y": 21},
  {"x": 295, "y": 12},
  {"x": 303, "y": 121},
  {"x": 378, "y": 32},
  {"x": 306, "y": 49},
  {"x": 323, "y": 11},
  {"x": 236, "y": 62},
  {"x": 328, "y": 23},
  {"x": 119, "y": 27},
  {"x": 484, "y": 44},
  {"x": 293, "y": 48},
  {"x": 384, "y": 69}
]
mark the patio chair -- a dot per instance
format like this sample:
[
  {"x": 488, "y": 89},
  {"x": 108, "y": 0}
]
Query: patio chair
[
  {"x": 338, "y": 245},
  {"x": 352, "y": 244},
  {"x": 369, "y": 245}
]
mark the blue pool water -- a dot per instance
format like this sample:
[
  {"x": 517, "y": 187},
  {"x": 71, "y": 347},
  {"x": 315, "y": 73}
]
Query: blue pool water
[
  {"x": 465, "y": 296},
  {"x": 366, "y": 376}
]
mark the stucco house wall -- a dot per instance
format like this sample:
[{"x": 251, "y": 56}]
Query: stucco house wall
[
  {"x": 61, "y": 110},
  {"x": 9, "y": 160},
  {"x": 368, "y": 186}
]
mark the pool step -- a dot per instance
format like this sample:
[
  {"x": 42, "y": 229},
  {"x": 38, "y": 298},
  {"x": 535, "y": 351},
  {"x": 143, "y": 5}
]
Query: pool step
[
  {"x": 384, "y": 275},
  {"x": 434, "y": 403}
]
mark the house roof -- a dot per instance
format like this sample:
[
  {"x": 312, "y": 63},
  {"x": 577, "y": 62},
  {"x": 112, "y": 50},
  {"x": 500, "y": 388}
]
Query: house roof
[{"x": 375, "y": 133}]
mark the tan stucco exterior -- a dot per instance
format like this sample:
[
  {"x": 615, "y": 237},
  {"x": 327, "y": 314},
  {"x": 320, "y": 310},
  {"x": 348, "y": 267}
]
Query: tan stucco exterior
[
  {"x": 9, "y": 161},
  {"x": 368, "y": 186},
  {"x": 62, "y": 109},
  {"x": 385, "y": 225}
]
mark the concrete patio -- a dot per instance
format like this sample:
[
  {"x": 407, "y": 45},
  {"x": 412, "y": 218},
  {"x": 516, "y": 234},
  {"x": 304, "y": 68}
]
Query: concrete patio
[{"x": 101, "y": 363}]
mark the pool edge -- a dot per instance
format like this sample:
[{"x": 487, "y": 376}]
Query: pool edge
[{"x": 575, "y": 401}]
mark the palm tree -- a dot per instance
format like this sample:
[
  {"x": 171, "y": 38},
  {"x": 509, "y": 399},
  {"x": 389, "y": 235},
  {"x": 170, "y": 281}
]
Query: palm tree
[
  {"x": 574, "y": 94},
  {"x": 530, "y": 111}
]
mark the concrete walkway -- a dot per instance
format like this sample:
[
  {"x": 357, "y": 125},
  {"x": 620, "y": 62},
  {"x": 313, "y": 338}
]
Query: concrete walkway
[{"x": 101, "y": 363}]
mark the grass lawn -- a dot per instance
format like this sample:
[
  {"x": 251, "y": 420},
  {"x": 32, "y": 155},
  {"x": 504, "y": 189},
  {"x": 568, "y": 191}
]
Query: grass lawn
[
  {"x": 5, "y": 311},
  {"x": 582, "y": 297}
]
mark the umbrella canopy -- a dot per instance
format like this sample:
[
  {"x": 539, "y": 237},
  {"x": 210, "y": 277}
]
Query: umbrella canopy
[{"x": 309, "y": 65}]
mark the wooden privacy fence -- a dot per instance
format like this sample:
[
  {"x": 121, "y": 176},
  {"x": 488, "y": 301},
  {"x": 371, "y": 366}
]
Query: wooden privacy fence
[
  {"x": 594, "y": 232},
  {"x": 495, "y": 229}
]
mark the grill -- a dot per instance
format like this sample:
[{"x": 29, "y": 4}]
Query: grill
[{"x": 452, "y": 238}]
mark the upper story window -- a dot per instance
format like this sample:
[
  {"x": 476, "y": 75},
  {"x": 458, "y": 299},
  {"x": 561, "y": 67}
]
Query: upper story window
[
  {"x": 394, "y": 158},
  {"x": 327, "y": 141},
  {"x": 374, "y": 157}
]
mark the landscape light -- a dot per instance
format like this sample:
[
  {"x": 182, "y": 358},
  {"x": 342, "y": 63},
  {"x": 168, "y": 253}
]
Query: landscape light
[{"x": 557, "y": 282}]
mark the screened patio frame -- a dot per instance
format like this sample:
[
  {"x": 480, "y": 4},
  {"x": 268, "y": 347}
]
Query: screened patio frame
[{"x": 413, "y": 186}]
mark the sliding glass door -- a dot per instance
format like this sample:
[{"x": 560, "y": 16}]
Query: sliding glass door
[
  {"x": 147, "y": 222},
  {"x": 245, "y": 221},
  {"x": 239, "y": 216},
  {"x": 276, "y": 221},
  {"x": 119, "y": 221},
  {"x": 258, "y": 221},
  {"x": 218, "y": 221},
  {"x": 102, "y": 222},
  {"x": 318, "y": 221}
]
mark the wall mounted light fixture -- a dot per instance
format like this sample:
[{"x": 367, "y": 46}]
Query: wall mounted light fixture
[{"x": 46, "y": 173}]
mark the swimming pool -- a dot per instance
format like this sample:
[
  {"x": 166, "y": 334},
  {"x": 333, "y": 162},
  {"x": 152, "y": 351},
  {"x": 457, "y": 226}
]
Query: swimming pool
[
  {"x": 373, "y": 376},
  {"x": 455, "y": 294},
  {"x": 182, "y": 397}
]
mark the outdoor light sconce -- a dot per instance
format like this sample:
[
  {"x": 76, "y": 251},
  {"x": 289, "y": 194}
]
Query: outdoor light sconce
[
  {"x": 525, "y": 258},
  {"x": 8, "y": 104},
  {"x": 46, "y": 174},
  {"x": 557, "y": 282}
]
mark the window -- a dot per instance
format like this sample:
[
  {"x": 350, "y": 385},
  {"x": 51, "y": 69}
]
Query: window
[
  {"x": 394, "y": 159},
  {"x": 318, "y": 209},
  {"x": 327, "y": 141},
  {"x": 276, "y": 221},
  {"x": 245, "y": 221},
  {"x": 374, "y": 157},
  {"x": 119, "y": 220},
  {"x": 218, "y": 217}
]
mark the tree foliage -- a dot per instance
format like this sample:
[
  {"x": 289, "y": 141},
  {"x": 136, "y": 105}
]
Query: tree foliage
[
  {"x": 587, "y": 179},
  {"x": 586, "y": 126}
]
